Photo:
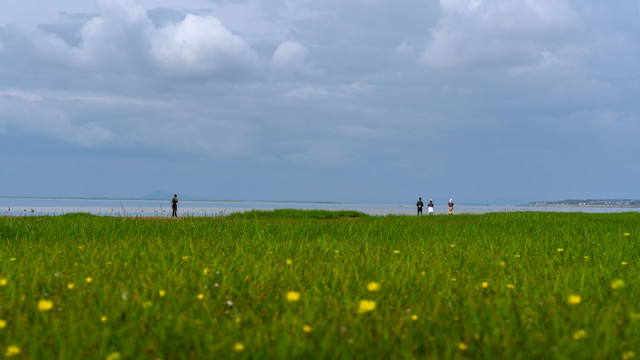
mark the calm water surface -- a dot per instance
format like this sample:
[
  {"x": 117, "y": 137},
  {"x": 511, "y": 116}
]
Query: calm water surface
[{"x": 158, "y": 208}]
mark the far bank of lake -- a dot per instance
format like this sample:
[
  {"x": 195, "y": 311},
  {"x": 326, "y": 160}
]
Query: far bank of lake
[{"x": 159, "y": 208}]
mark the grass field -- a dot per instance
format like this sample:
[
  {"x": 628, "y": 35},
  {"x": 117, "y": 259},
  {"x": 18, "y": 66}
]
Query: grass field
[{"x": 294, "y": 284}]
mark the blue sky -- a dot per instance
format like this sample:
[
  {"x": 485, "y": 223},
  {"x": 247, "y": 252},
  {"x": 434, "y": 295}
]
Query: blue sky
[{"x": 500, "y": 102}]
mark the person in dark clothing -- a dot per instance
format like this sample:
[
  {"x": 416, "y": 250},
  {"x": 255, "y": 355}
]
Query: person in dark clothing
[
  {"x": 174, "y": 206},
  {"x": 450, "y": 206},
  {"x": 419, "y": 204}
]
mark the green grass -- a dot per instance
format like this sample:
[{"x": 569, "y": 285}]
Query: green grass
[
  {"x": 431, "y": 302},
  {"x": 296, "y": 214}
]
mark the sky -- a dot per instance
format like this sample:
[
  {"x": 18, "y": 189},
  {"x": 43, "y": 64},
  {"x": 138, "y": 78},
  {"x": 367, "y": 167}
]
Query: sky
[{"x": 374, "y": 101}]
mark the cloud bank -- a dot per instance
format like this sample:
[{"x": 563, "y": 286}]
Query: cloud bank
[
  {"x": 500, "y": 32},
  {"x": 363, "y": 100}
]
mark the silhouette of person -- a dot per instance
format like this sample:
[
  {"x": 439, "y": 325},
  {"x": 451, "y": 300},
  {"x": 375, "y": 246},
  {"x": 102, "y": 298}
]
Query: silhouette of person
[
  {"x": 174, "y": 206},
  {"x": 419, "y": 204},
  {"x": 450, "y": 206},
  {"x": 430, "y": 207}
]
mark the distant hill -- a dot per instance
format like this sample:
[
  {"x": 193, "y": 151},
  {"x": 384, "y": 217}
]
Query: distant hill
[{"x": 589, "y": 202}]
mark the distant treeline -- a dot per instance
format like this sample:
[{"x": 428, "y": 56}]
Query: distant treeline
[{"x": 588, "y": 202}]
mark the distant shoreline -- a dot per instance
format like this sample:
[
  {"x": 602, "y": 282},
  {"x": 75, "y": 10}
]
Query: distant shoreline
[
  {"x": 190, "y": 200},
  {"x": 588, "y": 206}
]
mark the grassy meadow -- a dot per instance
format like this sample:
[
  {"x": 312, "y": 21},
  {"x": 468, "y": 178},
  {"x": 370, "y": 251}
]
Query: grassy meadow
[{"x": 313, "y": 284}]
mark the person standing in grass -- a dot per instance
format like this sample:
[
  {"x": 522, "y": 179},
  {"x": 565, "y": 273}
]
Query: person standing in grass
[
  {"x": 420, "y": 204},
  {"x": 174, "y": 206},
  {"x": 430, "y": 207},
  {"x": 450, "y": 206}
]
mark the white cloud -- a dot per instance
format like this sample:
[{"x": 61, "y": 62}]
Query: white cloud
[
  {"x": 19, "y": 94},
  {"x": 341, "y": 90},
  {"x": 291, "y": 57},
  {"x": 56, "y": 124},
  {"x": 122, "y": 39},
  {"x": 201, "y": 45},
  {"x": 499, "y": 32},
  {"x": 309, "y": 91},
  {"x": 118, "y": 37},
  {"x": 404, "y": 49}
]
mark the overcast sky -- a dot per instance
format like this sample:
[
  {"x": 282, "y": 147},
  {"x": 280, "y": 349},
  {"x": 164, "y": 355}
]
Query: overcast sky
[{"x": 484, "y": 101}]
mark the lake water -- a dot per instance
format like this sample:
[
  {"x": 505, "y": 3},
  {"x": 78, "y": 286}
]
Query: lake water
[{"x": 158, "y": 208}]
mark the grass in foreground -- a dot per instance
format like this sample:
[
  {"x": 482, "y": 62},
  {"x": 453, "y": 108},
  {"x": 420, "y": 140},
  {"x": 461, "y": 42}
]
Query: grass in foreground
[
  {"x": 297, "y": 214},
  {"x": 508, "y": 285}
]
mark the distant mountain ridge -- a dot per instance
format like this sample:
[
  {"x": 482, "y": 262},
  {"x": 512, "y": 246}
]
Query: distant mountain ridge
[{"x": 589, "y": 202}]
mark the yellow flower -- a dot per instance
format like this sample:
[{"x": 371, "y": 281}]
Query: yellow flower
[
  {"x": 510, "y": 286},
  {"x": 574, "y": 299},
  {"x": 238, "y": 320},
  {"x": 373, "y": 286},
  {"x": 462, "y": 346},
  {"x": 452, "y": 246},
  {"x": 485, "y": 284},
  {"x": 560, "y": 249},
  {"x": 579, "y": 334},
  {"x": 238, "y": 347},
  {"x": 516, "y": 256},
  {"x": 70, "y": 286},
  {"x": 453, "y": 279},
  {"x": 162, "y": 293},
  {"x": 366, "y": 306},
  {"x": 617, "y": 283},
  {"x": 289, "y": 262},
  {"x": 414, "y": 317},
  {"x": 293, "y": 296},
  {"x": 502, "y": 263},
  {"x": 3, "y": 282},
  {"x": 12, "y": 350},
  {"x": 147, "y": 304},
  {"x": 45, "y": 305},
  {"x": 626, "y": 234},
  {"x": 628, "y": 355},
  {"x": 396, "y": 251},
  {"x": 306, "y": 328},
  {"x": 423, "y": 273},
  {"x": 185, "y": 258},
  {"x": 89, "y": 279},
  {"x": 586, "y": 258},
  {"x": 3, "y": 324},
  {"x": 623, "y": 263},
  {"x": 113, "y": 356},
  {"x": 205, "y": 271},
  {"x": 13, "y": 259},
  {"x": 103, "y": 318},
  {"x": 200, "y": 296}
]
